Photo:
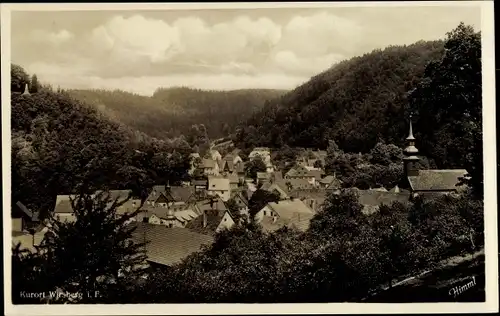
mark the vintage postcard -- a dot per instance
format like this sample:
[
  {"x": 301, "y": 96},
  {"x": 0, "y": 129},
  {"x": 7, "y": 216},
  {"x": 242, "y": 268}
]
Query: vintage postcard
[{"x": 249, "y": 158}]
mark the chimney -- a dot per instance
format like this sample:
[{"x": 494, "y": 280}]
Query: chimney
[{"x": 204, "y": 219}]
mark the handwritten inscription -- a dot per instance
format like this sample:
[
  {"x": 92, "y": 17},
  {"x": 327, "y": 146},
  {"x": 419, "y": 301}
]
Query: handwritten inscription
[{"x": 457, "y": 290}]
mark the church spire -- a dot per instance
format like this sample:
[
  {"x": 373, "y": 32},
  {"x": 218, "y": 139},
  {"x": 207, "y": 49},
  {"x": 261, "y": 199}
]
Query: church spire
[
  {"x": 410, "y": 153},
  {"x": 410, "y": 135}
]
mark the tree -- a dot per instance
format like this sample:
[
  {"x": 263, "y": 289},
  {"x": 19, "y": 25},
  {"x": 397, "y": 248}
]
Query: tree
[
  {"x": 254, "y": 166},
  {"x": 19, "y": 78},
  {"x": 385, "y": 154},
  {"x": 35, "y": 85},
  {"x": 450, "y": 96},
  {"x": 318, "y": 164},
  {"x": 95, "y": 252},
  {"x": 259, "y": 199}
]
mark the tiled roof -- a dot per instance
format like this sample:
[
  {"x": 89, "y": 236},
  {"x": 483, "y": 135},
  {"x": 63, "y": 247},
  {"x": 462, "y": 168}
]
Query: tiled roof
[
  {"x": 300, "y": 221},
  {"x": 200, "y": 182},
  {"x": 233, "y": 178},
  {"x": 208, "y": 163},
  {"x": 116, "y": 194},
  {"x": 371, "y": 200},
  {"x": 180, "y": 193},
  {"x": 169, "y": 246},
  {"x": 64, "y": 206},
  {"x": 287, "y": 209},
  {"x": 205, "y": 205},
  {"x": 213, "y": 219},
  {"x": 32, "y": 215},
  {"x": 436, "y": 180},
  {"x": 263, "y": 175},
  {"x": 327, "y": 180},
  {"x": 299, "y": 184},
  {"x": 318, "y": 195},
  {"x": 218, "y": 184}
]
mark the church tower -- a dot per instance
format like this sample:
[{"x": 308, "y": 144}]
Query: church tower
[{"x": 410, "y": 153}]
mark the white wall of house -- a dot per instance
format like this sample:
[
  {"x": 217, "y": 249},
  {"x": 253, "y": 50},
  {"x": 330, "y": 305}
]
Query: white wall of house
[
  {"x": 226, "y": 222},
  {"x": 225, "y": 195},
  {"x": 264, "y": 212}
]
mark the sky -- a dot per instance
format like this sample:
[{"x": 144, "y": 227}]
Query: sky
[{"x": 281, "y": 48}]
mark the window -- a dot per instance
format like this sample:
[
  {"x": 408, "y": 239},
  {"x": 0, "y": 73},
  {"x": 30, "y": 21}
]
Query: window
[{"x": 265, "y": 213}]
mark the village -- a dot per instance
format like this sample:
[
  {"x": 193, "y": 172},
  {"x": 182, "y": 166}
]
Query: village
[{"x": 178, "y": 220}]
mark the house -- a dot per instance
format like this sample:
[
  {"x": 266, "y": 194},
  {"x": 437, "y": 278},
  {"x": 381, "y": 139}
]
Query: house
[
  {"x": 23, "y": 219},
  {"x": 371, "y": 200},
  {"x": 234, "y": 181},
  {"x": 287, "y": 213},
  {"x": 240, "y": 200},
  {"x": 311, "y": 174},
  {"x": 278, "y": 187},
  {"x": 298, "y": 184},
  {"x": 177, "y": 216},
  {"x": 213, "y": 217},
  {"x": 170, "y": 195},
  {"x": 424, "y": 182},
  {"x": 219, "y": 187},
  {"x": 226, "y": 166},
  {"x": 210, "y": 167},
  {"x": 63, "y": 210},
  {"x": 168, "y": 246},
  {"x": 331, "y": 182},
  {"x": 314, "y": 198},
  {"x": 239, "y": 170}
]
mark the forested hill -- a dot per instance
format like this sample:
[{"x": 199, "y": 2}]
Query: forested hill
[
  {"x": 171, "y": 112},
  {"x": 356, "y": 103},
  {"x": 60, "y": 144}
]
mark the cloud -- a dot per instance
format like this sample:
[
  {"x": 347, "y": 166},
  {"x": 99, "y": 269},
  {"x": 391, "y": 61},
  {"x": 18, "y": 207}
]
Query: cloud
[
  {"x": 227, "y": 49},
  {"x": 52, "y": 37}
]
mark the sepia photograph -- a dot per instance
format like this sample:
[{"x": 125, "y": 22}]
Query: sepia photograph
[{"x": 245, "y": 153}]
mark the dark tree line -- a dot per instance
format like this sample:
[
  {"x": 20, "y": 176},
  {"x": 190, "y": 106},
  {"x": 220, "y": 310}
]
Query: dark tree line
[
  {"x": 367, "y": 100},
  {"x": 59, "y": 143}
]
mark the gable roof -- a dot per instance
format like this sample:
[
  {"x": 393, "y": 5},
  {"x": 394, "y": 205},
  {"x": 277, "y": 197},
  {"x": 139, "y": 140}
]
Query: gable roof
[
  {"x": 180, "y": 193},
  {"x": 327, "y": 180},
  {"x": 168, "y": 246},
  {"x": 33, "y": 216},
  {"x": 205, "y": 205},
  {"x": 227, "y": 164},
  {"x": 297, "y": 220},
  {"x": 213, "y": 219},
  {"x": 239, "y": 195},
  {"x": 287, "y": 209},
  {"x": 218, "y": 184},
  {"x": 436, "y": 180}
]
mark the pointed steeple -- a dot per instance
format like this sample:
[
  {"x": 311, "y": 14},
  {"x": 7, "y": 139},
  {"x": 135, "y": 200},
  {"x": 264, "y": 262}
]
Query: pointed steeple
[
  {"x": 410, "y": 153},
  {"x": 26, "y": 90},
  {"x": 410, "y": 135}
]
